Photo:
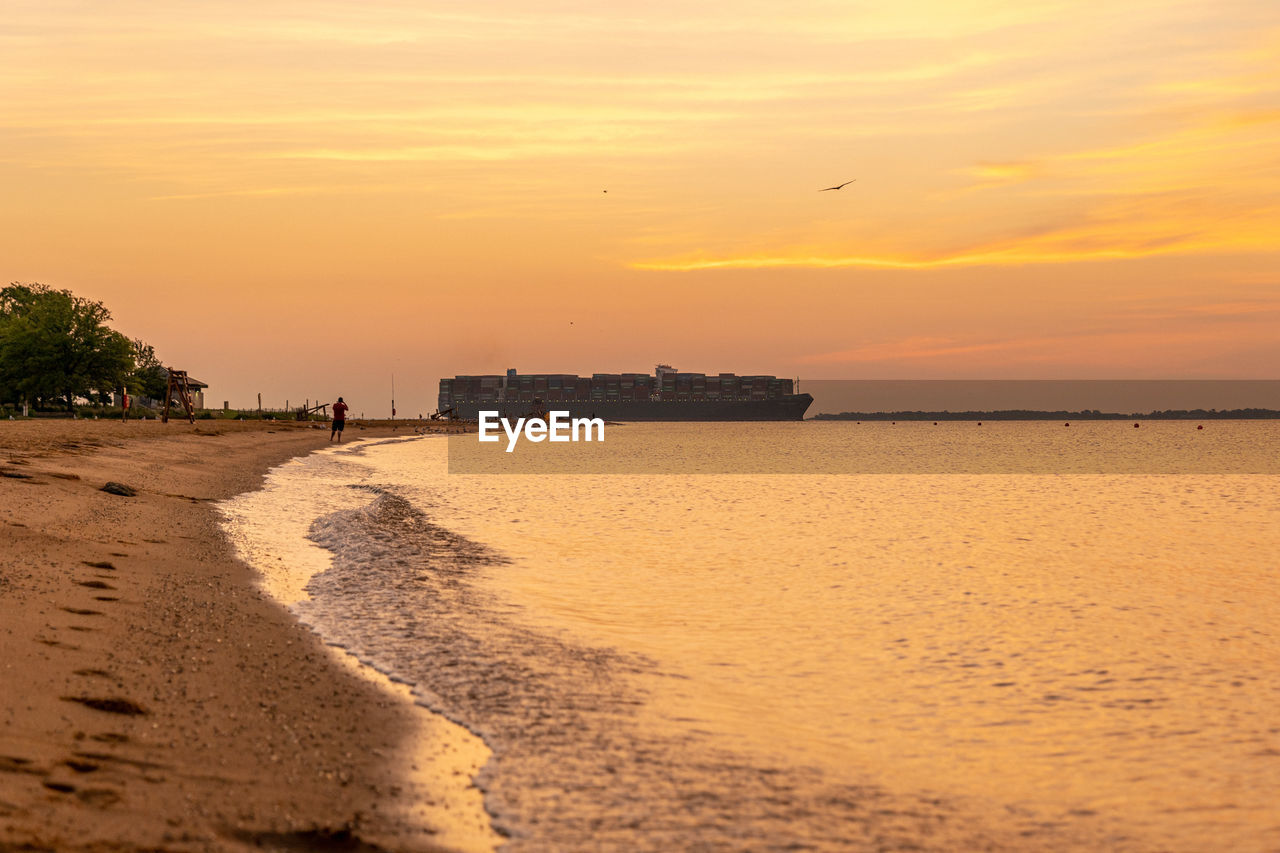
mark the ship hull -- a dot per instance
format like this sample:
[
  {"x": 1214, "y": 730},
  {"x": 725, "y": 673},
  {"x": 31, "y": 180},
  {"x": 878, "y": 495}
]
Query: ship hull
[{"x": 789, "y": 408}]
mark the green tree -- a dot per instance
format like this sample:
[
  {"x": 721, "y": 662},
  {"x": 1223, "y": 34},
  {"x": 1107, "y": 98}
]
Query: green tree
[
  {"x": 149, "y": 378},
  {"x": 55, "y": 345}
]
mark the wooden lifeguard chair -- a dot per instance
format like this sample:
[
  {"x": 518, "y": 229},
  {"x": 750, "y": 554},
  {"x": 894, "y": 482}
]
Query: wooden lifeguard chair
[{"x": 179, "y": 392}]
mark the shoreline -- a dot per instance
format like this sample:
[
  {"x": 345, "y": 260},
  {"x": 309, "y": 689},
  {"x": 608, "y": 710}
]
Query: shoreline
[{"x": 156, "y": 697}]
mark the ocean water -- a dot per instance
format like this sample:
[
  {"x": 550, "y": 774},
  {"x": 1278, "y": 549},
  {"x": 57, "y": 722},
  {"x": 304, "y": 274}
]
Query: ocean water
[{"x": 814, "y": 661}]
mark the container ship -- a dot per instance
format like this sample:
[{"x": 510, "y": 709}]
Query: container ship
[{"x": 665, "y": 395}]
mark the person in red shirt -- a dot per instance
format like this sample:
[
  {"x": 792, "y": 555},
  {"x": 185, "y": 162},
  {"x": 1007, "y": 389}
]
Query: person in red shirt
[{"x": 339, "y": 419}]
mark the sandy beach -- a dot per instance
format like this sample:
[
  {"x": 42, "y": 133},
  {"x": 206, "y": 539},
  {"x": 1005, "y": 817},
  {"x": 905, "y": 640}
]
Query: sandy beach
[{"x": 153, "y": 698}]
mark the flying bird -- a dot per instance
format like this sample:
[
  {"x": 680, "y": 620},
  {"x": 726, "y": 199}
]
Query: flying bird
[{"x": 837, "y": 187}]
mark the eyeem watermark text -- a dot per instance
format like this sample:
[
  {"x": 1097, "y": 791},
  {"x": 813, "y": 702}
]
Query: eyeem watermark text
[{"x": 558, "y": 426}]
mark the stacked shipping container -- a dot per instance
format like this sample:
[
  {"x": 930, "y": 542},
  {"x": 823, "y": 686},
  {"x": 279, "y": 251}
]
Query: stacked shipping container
[{"x": 609, "y": 387}]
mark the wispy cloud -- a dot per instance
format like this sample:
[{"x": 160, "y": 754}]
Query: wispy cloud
[
  {"x": 262, "y": 192},
  {"x": 915, "y": 348},
  {"x": 1101, "y": 238},
  {"x": 1179, "y": 350},
  {"x": 1004, "y": 172},
  {"x": 1209, "y": 187}
]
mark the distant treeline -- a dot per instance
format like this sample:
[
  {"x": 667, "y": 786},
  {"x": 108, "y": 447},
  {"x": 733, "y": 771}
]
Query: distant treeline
[{"x": 1032, "y": 415}]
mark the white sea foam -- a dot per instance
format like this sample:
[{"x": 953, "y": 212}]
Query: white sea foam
[{"x": 270, "y": 529}]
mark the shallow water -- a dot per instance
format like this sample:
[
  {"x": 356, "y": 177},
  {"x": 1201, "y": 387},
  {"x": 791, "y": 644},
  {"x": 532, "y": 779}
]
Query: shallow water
[{"x": 944, "y": 661}]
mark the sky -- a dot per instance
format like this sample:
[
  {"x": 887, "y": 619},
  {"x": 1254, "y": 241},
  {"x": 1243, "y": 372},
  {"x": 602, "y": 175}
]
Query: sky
[{"x": 308, "y": 199}]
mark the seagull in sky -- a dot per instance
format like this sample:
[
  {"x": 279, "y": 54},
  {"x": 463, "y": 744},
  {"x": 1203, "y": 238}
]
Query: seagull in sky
[{"x": 837, "y": 187}]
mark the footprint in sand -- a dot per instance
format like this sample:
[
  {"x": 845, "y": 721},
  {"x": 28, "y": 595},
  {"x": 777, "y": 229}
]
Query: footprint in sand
[
  {"x": 80, "y": 766},
  {"x": 111, "y": 705},
  {"x": 318, "y": 839},
  {"x": 14, "y": 764},
  {"x": 110, "y": 737},
  {"x": 104, "y": 758},
  {"x": 98, "y": 797},
  {"x": 58, "y": 644}
]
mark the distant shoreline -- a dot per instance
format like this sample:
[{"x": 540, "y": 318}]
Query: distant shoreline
[{"x": 1032, "y": 415}]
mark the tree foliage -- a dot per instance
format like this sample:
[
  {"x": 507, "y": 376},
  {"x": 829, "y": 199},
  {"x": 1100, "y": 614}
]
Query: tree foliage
[
  {"x": 55, "y": 345},
  {"x": 149, "y": 378}
]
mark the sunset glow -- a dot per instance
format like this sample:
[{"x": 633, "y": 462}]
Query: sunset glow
[{"x": 301, "y": 199}]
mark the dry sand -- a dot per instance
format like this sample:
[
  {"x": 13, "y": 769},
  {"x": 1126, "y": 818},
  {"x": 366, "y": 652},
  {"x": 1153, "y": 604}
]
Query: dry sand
[{"x": 153, "y": 698}]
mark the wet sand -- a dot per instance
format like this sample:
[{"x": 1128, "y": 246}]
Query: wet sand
[{"x": 153, "y": 698}]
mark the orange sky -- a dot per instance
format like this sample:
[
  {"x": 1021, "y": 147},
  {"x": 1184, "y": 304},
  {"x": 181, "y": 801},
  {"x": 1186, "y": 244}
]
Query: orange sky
[{"x": 301, "y": 198}]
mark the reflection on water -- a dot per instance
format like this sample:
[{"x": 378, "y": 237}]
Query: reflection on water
[
  {"x": 882, "y": 447},
  {"x": 830, "y": 662}
]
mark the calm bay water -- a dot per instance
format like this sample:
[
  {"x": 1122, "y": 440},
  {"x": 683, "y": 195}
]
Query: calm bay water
[{"x": 756, "y": 661}]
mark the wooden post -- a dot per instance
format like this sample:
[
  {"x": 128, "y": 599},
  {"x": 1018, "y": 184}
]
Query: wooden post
[{"x": 186, "y": 398}]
